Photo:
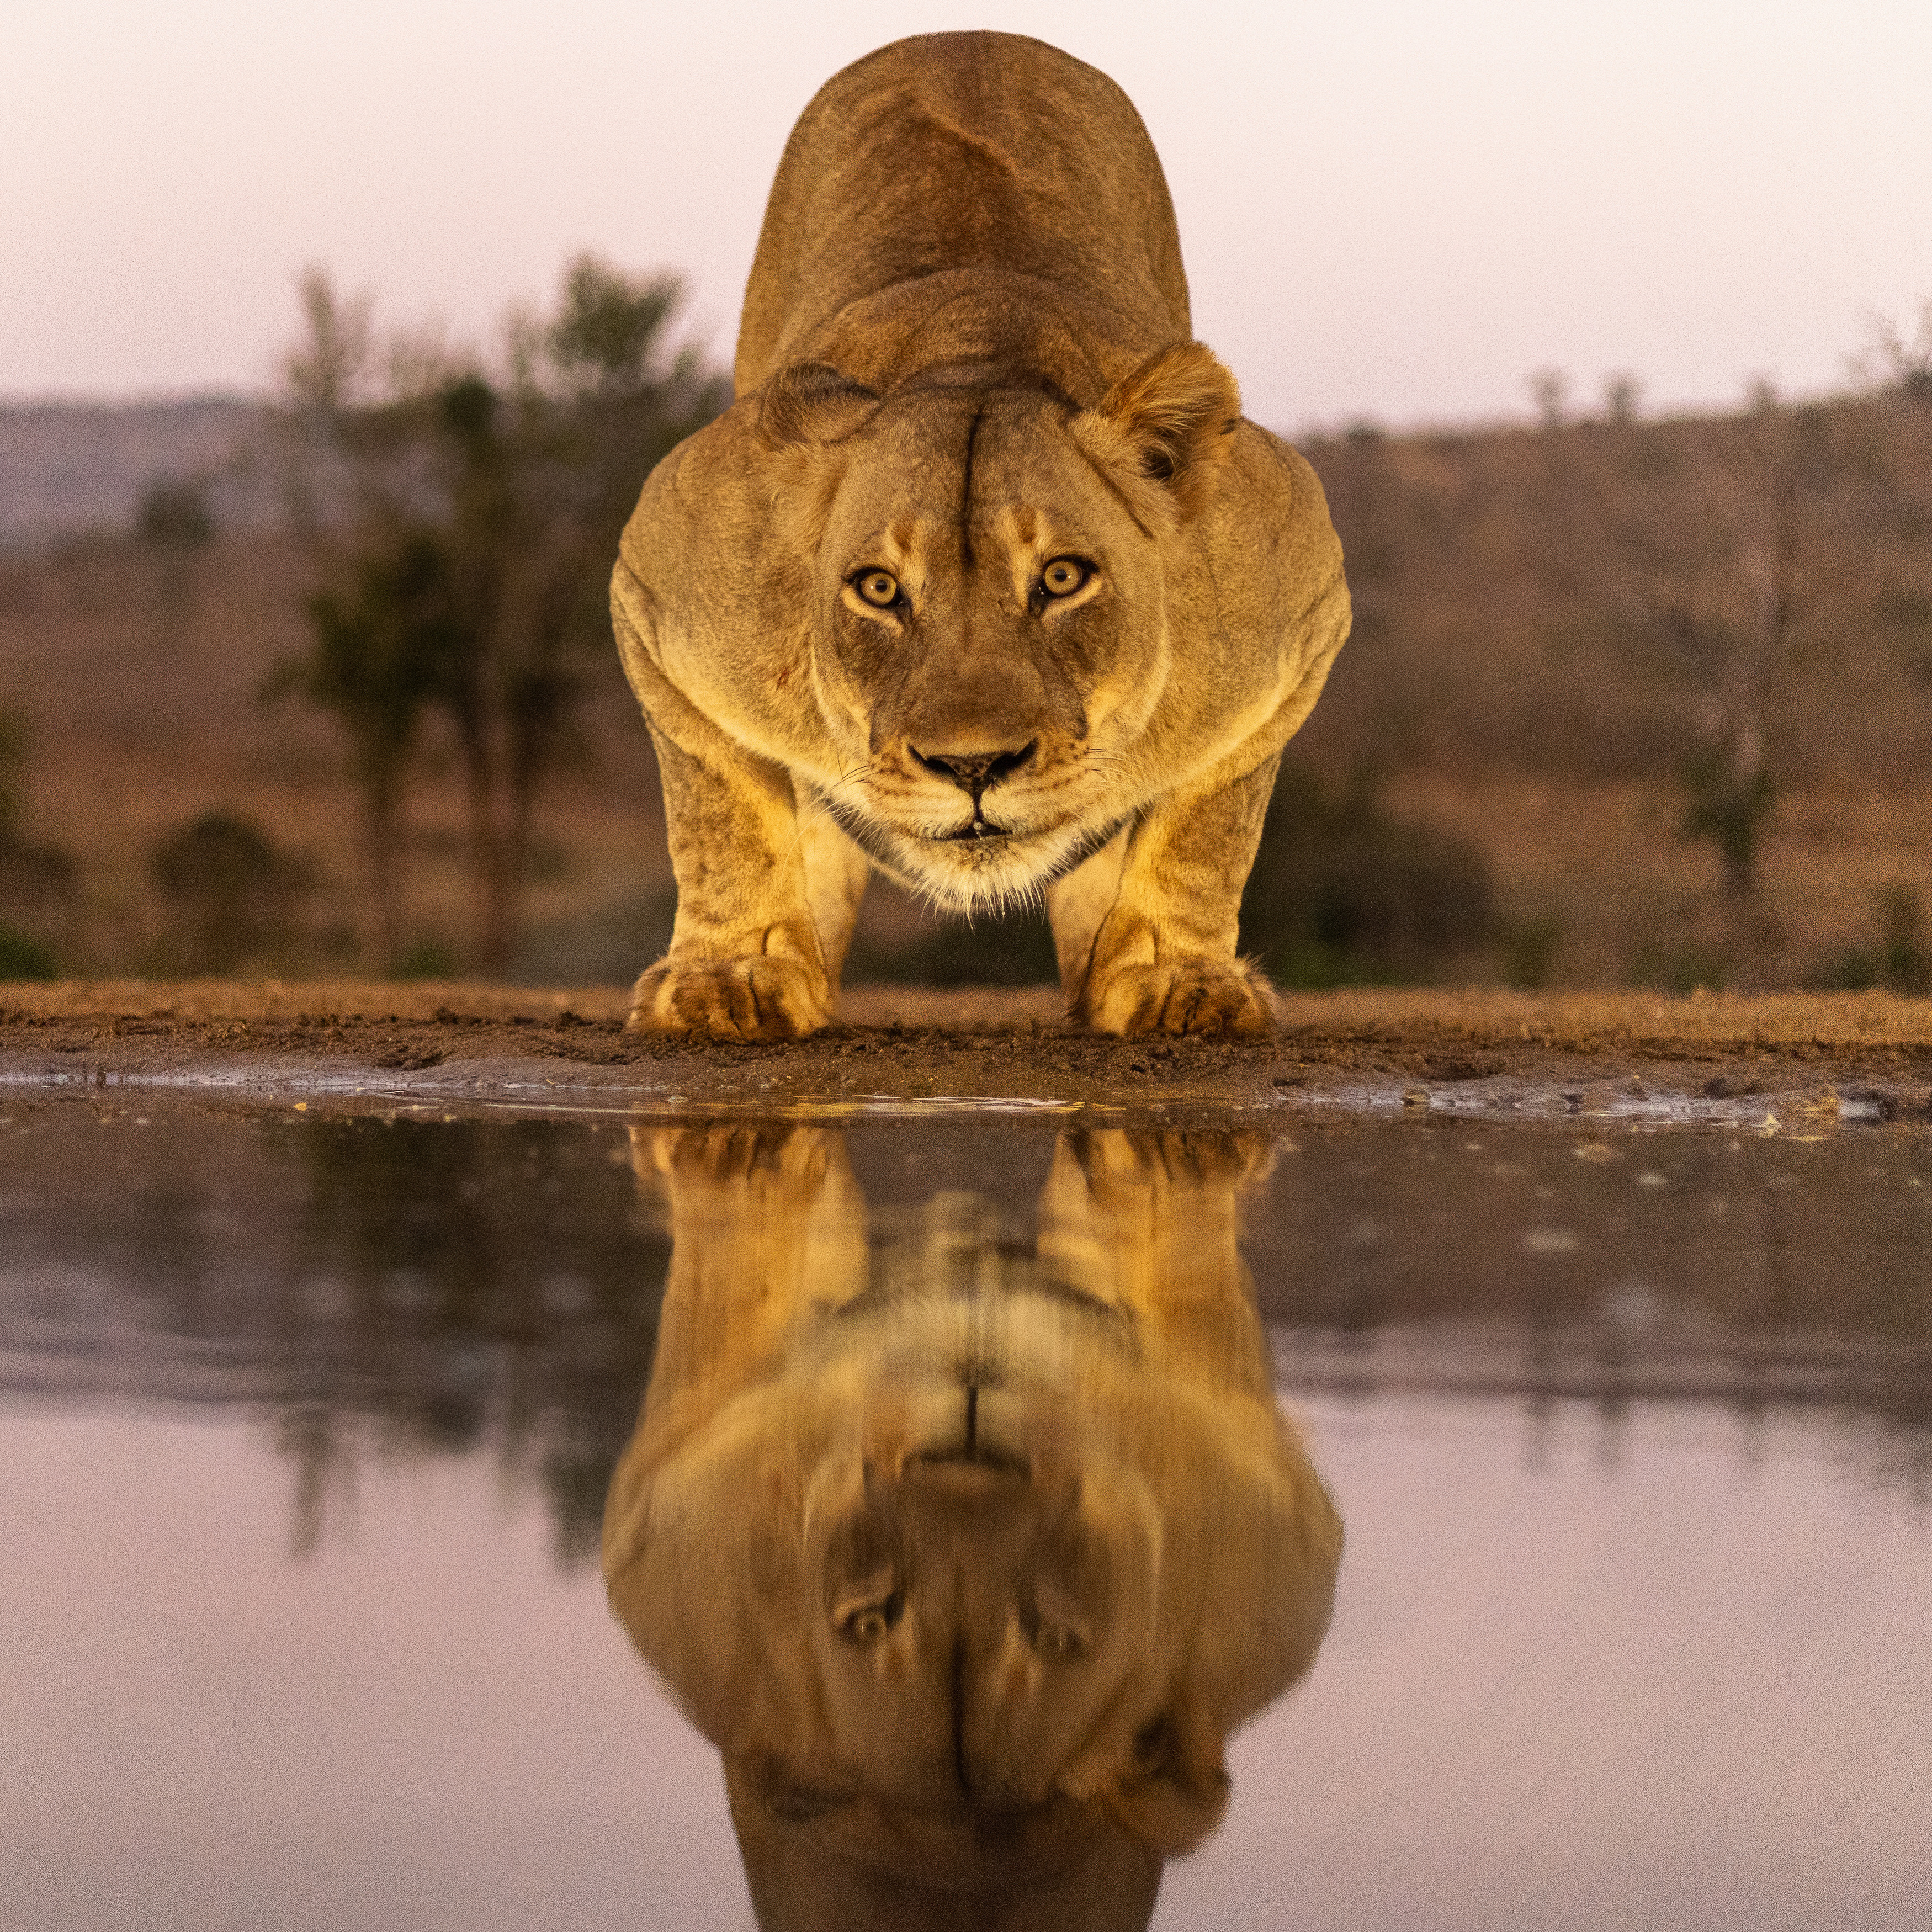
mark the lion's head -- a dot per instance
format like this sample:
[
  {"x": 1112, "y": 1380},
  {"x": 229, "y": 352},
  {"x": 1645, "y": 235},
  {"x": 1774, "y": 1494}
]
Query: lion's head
[
  {"x": 984, "y": 566},
  {"x": 966, "y": 1585}
]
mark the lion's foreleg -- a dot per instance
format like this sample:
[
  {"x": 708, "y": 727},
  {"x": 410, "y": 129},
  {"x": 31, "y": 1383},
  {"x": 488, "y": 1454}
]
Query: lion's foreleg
[
  {"x": 1147, "y": 1223},
  {"x": 1162, "y": 957},
  {"x": 836, "y": 869},
  {"x": 767, "y": 1226},
  {"x": 745, "y": 961},
  {"x": 1077, "y": 904}
]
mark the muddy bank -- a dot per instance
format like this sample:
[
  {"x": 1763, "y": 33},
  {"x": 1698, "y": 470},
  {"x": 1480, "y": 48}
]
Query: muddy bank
[{"x": 1868, "y": 1055}]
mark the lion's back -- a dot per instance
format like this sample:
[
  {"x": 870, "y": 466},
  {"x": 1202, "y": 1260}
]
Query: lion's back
[{"x": 961, "y": 151}]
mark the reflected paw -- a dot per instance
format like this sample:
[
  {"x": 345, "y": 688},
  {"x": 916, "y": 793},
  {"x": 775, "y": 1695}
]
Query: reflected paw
[
  {"x": 763, "y": 996},
  {"x": 1223, "y": 996},
  {"x": 1189, "y": 1162},
  {"x": 768, "y": 1160}
]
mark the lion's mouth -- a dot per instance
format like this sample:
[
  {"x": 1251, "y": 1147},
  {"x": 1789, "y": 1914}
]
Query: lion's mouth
[
  {"x": 979, "y": 828},
  {"x": 976, "y": 864}
]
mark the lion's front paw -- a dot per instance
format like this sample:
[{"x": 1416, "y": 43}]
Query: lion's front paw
[
  {"x": 763, "y": 996},
  {"x": 1199, "y": 996}
]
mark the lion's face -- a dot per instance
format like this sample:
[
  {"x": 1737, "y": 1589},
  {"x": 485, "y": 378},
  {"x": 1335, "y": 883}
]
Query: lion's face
[
  {"x": 981, "y": 1570},
  {"x": 953, "y": 1563},
  {"x": 986, "y": 569}
]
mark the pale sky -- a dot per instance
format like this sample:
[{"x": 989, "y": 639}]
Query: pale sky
[{"x": 1387, "y": 209}]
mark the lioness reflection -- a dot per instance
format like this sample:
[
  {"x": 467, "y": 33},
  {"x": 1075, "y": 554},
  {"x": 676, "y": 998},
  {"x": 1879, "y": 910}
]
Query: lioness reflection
[{"x": 967, "y": 1557}]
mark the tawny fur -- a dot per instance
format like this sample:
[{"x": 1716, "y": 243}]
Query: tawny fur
[
  {"x": 812, "y": 1360},
  {"x": 966, "y": 354}
]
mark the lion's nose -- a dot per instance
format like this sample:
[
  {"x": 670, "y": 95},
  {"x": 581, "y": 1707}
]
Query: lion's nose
[{"x": 976, "y": 772}]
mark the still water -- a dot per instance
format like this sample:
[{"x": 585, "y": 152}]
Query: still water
[{"x": 983, "y": 1516}]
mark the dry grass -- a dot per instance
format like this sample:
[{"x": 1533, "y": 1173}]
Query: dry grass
[
  {"x": 1632, "y": 901},
  {"x": 1493, "y": 700}
]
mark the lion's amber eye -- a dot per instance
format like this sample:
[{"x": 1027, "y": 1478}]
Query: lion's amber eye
[
  {"x": 869, "y": 1622},
  {"x": 878, "y": 587},
  {"x": 1063, "y": 576}
]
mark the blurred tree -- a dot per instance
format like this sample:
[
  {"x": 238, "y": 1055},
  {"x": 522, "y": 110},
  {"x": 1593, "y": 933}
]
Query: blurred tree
[
  {"x": 1550, "y": 390},
  {"x": 174, "y": 523},
  {"x": 1894, "y": 476},
  {"x": 24, "y": 957},
  {"x": 1900, "y": 962},
  {"x": 39, "y": 884},
  {"x": 175, "y": 514},
  {"x": 234, "y": 899},
  {"x": 1342, "y": 892},
  {"x": 1694, "y": 538},
  {"x": 464, "y": 521},
  {"x": 383, "y": 632},
  {"x": 1622, "y": 393},
  {"x": 1903, "y": 363}
]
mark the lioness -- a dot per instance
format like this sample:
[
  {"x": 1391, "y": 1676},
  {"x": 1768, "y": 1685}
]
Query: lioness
[
  {"x": 968, "y": 1557},
  {"x": 983, "y": 579}
]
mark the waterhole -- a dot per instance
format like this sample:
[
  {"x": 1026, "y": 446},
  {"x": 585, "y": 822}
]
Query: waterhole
[{"x": 958, "y": 1519}]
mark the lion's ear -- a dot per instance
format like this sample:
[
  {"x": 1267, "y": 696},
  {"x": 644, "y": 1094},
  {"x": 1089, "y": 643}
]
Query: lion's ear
[
  {"x": 812, "y": 402},
  {"x": 1173, "y": 1792},
  {"x": 1172, "y": 422}
]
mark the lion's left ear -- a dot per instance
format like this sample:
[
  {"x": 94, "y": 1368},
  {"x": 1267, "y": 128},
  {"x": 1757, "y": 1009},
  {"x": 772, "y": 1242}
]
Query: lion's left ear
[
  {"x": 811, "y": 402},
  {"x": 1170, "y": 424},
  {"x": 1173, "y": 1792}
]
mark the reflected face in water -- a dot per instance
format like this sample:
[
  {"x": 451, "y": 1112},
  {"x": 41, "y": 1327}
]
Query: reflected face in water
[
  {"x": 967, "y": 1557},
  {"x": 988, "y": 1561}
]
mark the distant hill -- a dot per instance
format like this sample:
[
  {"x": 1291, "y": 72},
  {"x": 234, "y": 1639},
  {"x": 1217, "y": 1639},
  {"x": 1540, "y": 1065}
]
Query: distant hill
[
  {"x": 1573, "y": 646},
  {"x": 69, "y": 467}
]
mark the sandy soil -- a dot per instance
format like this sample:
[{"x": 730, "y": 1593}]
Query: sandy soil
[{"x": 1867, "y": 1054}]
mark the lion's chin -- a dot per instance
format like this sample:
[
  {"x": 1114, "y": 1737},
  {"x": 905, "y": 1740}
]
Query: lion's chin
[
  {"x": 988, "y": 868},
  {"x": 994, "y": 871}
]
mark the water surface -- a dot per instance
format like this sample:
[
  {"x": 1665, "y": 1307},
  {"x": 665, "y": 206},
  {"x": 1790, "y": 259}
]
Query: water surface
[{"x": 309, "y": 1421}]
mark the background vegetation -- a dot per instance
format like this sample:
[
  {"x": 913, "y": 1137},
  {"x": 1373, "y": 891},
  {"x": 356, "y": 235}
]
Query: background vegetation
[{"x": 1627, "y": 701}]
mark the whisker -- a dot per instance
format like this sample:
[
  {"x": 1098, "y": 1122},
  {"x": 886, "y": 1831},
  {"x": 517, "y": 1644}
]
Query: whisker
[{"x": 822, "y": 804}]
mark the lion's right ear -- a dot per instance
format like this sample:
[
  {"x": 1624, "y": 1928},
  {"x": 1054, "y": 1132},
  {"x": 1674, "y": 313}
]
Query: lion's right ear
[
  {"x": 1167, "y": 427},
  {"x": 811, "y": 402}
]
